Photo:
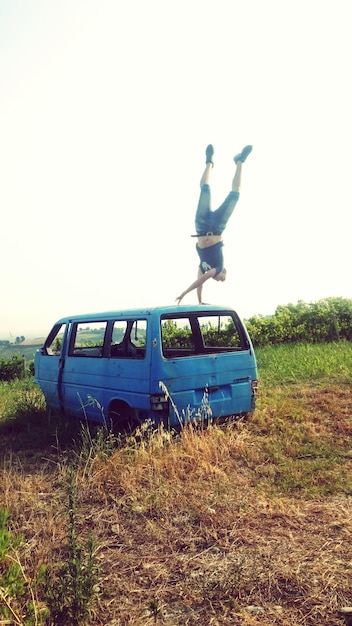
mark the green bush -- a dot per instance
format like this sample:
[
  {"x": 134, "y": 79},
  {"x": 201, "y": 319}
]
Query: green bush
[
  {"x": 71, "y": 587},
  {"x": 315, "y": 322},
  {"x": 18, "y": 599},
  {"x": 12, "y": 368}
]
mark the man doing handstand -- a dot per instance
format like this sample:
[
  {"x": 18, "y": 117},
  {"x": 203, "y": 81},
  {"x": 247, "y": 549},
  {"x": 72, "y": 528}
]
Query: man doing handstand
[{"x": 211, "y": 224}]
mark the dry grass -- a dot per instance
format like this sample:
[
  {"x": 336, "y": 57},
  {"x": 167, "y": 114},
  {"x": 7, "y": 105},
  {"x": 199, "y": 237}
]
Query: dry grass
[{"x": 202, "y": 529}]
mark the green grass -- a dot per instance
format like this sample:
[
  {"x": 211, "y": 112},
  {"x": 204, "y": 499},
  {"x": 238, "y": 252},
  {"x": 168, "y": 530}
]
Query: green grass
[
  {"x": 303, "y": 421},
  {"x": 21, "y": 399},
  {"x": 308, "y": 363}
]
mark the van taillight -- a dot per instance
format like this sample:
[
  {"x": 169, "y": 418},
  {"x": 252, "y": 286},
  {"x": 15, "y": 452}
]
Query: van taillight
[
  {"x": 254, "y": 385},
  {"x": 159, "y": 402}
]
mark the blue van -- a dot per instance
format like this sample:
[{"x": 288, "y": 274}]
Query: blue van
[{"x": 168, "y": 364}]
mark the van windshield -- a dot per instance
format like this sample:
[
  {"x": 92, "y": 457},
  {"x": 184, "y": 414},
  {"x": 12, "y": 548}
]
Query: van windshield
[{"x": 208, "y": 333}]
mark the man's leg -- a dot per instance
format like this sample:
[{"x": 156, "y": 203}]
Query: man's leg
[
  {"x": 236, "y": 181},
  {"x": 205, "y": 180},
  {"x": 209, "y": 164},
  {"x": 239, "y": 159},
  {"x": 224, "y": 212},
  {"x": 203, "y": 213}
]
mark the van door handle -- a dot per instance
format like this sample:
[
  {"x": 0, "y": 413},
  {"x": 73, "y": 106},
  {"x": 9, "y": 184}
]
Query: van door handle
[{"x": 215, "y": 388}]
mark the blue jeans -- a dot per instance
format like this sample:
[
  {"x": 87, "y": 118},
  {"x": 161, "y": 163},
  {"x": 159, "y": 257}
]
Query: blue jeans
[{"x": 213, "y": 221}]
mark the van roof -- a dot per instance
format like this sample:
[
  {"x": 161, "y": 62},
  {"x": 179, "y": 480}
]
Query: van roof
[{"x": 159, "y": 310}]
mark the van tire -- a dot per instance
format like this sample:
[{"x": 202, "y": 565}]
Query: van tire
[{"x": 122, "y": 417}]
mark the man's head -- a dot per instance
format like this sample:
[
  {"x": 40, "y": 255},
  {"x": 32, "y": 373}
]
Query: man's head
[{"x": 221, "y": 276}]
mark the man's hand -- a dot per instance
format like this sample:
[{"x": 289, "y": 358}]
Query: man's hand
[{"x": 179, "y": 298}]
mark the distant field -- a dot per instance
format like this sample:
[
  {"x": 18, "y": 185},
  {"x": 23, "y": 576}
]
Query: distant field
[{"x": 26, "y": 349}]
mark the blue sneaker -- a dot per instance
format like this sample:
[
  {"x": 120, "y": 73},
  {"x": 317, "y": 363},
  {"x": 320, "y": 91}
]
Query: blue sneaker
[
  {"x": 241, "y": 157},
  {"x": 209, "y": 154}
]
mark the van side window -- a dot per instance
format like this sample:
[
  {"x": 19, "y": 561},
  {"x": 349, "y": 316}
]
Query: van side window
[
  {"x": 128, "y": 339},
  {"x": 119, "y": 329},
  {"x": 53, "y": 344},
  {"x": 87, "y": 339}
]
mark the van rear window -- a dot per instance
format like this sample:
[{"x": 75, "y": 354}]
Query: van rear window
[{"x": 194, "y": 334}]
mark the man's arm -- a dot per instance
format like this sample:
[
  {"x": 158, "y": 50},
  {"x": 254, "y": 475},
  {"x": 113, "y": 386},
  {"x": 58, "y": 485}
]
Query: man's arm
[
  {"x": 200, "y": 287},
  {"x": 198, "y": 284}
]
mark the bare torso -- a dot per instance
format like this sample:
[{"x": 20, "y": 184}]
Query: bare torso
[{"x": 208, "y": 240}]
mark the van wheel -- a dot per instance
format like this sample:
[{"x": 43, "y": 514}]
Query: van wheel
[{"x": 123, "y": 418}]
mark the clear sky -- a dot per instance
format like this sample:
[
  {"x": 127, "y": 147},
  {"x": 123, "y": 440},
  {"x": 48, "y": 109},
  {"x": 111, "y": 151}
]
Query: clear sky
[{"x": 106, "y": 107}]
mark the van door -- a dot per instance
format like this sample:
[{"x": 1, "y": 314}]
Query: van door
[
  {"x": 82, "y": 370},
  {"x": 49, "y": 363},
  {"x": 208, "y": 365},
  {"x": 106, "y": 362}
]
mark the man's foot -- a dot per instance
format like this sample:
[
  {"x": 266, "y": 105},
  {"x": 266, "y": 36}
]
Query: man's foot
[
  {"x": 241, "y": 157},
  {"x": 209, "y": 154}
]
